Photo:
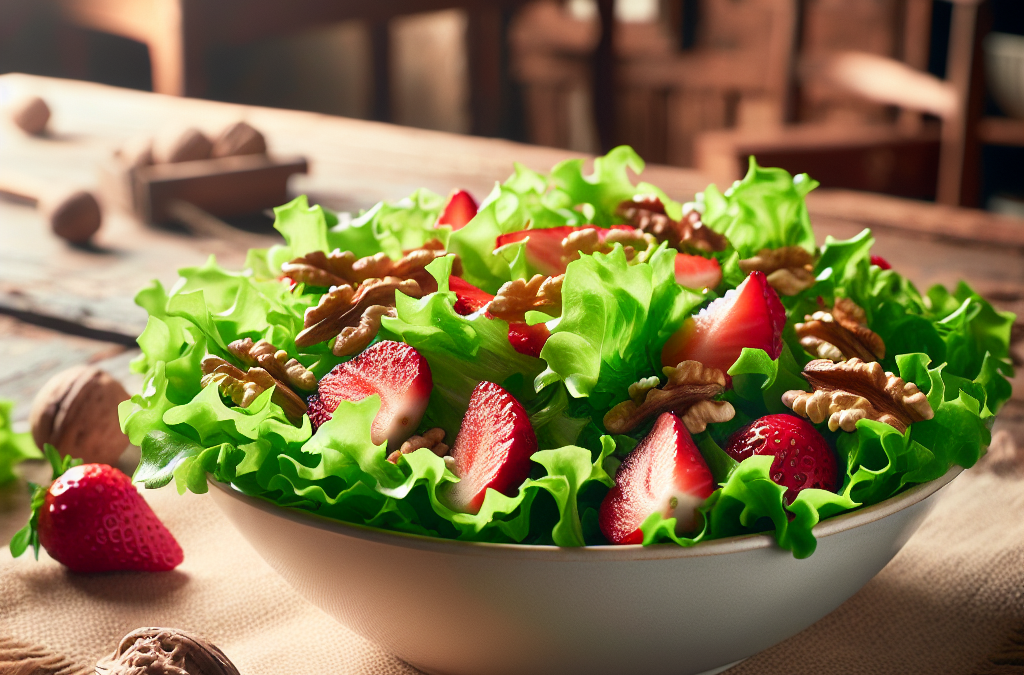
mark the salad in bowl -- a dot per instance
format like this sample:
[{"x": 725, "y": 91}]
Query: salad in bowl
[{"x": 575, "y": 361}]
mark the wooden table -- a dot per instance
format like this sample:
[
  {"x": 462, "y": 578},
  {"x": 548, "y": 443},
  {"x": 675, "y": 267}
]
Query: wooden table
[{"x": 65, "y": 305}]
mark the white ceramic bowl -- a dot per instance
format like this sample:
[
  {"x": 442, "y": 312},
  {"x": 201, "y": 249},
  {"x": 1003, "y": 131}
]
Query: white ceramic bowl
[{"x": 470, "y": 608}]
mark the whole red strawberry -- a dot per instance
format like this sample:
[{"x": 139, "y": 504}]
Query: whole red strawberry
[
  {"x": 93, "y": 519},
  {"x": 803, "y": 458}
]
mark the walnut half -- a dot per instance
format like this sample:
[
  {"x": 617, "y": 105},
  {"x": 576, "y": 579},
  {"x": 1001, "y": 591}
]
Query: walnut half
[
  {"x": 432, "y": 439},
  {"x": 840, "y": 334},
  {"x": 275, "y": 361},
  {"x": 689, "y": 392},
  {"x": 854, "y": 390},
  {"x": 515, "y": 298},
  {"x": 647, "y": 213},
  {"x": 789, "y": 269},
  {"x": 243, "y": 387},
  {"x": 343, "y": 307}
]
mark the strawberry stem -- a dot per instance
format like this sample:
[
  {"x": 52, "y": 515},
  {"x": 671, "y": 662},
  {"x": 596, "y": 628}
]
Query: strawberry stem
[{"x": 29, "y": 535}]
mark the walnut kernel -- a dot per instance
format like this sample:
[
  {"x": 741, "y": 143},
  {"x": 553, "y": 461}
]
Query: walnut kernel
[{"x": 846, "y": 392}]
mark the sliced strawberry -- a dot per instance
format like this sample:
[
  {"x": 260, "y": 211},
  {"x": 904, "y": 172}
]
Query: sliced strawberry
[
  {"x": 459, "y": 210},
  {"x": 468, "y": 298},
  {"x": 803, "y": 458},
  {"x": 288, "y": 281},
  {"x": 91, "y": 518},
  {"x": 393, "y": 370},
  {"x": 528, "y": 340},
  {"x": 524, "y": 339},
  {"x": 492, "y": 450},
  {"x": 664, "y": 474},
  {"x": 694, "y": 271},
  {"x": 751, "y": 315},
  {"x": 544, "y": 246},
  {"x": 879, "y": 261}
]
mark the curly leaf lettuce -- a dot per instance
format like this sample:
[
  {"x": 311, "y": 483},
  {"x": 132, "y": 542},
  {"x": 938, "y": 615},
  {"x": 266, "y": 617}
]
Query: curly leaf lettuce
[
  {"x": 764, "y": 210},
  {"x": 615, "y": 319},
  {"x": 616, "y": 316},
  {"x": 14, "y": 447}
]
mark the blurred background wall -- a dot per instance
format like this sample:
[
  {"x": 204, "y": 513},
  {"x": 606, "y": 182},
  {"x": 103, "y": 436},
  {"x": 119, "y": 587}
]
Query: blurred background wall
[{"x": 698, "y": 82}]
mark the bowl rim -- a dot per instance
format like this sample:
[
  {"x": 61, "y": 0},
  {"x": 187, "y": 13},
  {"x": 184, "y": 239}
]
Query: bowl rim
[{"x": 723, "y": 546}]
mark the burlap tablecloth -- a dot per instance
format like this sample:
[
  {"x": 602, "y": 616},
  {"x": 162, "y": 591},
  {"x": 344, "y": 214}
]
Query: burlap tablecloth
[{"x": 952, "y": 601}]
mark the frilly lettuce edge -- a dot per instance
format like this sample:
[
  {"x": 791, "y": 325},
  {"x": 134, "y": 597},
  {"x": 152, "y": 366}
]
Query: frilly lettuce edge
[{"x": 186, "y": 432}]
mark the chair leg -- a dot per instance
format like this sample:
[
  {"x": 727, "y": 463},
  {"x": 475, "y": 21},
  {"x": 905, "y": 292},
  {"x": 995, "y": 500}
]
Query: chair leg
[
  {"x": 380, "y": 55},
  {"x": 484, "y": 43},
  {"x": 167, "y": 61}
]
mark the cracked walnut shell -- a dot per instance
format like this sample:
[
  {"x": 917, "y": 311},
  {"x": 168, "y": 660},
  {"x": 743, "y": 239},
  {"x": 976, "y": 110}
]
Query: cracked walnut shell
[
  {"x": 165, "y": 651},
  {"x": 789, "y": 269},
  {"x": 846, "y": 392},
  {"x": 76, "y": 412},
  {"x": 689, "y": 393},
  {"x": 840, "y": 334}
]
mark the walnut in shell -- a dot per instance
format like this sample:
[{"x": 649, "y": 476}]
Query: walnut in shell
[
  {"x": 31, "y": 114},
  {"x": 846, "y": 392},
  {"x": 187, "y": 146},
  {"x": 689, "y": 393},
  {"x": 165, "y": 651},
  {"x": 76, "y": 412},
  {"x": 239, "y": 139}
]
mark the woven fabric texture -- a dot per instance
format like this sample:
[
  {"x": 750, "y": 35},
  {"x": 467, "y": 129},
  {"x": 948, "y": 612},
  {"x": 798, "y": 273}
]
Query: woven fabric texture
[{"x": 952, "y": 601}]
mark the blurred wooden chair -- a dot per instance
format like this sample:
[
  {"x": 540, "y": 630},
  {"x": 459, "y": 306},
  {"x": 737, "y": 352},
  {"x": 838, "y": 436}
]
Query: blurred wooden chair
[
  {"x": 851, "y": 76},
  {"x": 737, "y": 73},
  {"x": 180, "y": 33}
]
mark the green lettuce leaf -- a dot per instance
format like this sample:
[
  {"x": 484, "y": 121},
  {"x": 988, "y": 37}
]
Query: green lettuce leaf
[
  {"x": 615, "y": 319},
  {"x": 764, "y": 210},
  {"x": 14, "y": 448}
]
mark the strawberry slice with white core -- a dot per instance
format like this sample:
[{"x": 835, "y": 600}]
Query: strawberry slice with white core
[
  {"x": 544, "y": 245},
  {"x": 694, "y": 271},
  {"x": 492, "y": 450},
  {"x": 664, "y": 474},
  {"x": 459, "y": 210},
  {"x": 394, "y": 371},
  {"x": 750, "y": 315},
  {"x": 528, "y": 340}
]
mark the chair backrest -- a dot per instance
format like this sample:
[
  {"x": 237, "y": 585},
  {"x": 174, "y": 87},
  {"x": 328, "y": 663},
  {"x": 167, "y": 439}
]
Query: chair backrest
[
  {"x": 895, "y": 29},
  {"x": 738, "y": 71}
]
